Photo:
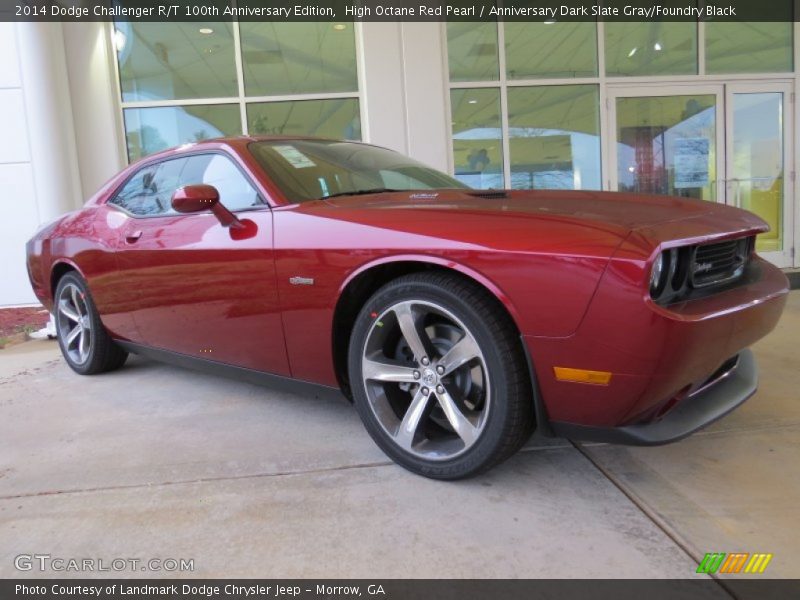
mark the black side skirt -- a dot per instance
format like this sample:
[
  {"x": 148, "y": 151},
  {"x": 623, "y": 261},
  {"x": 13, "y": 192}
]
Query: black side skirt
[{"x": 278, "y": 382}]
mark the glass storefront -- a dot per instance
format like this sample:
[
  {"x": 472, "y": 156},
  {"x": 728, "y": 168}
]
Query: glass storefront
[
  {"x": 667, "y": 145},
  {"x": 748, "y": 48},
  {"x": 477, "y": 137},
  {"x": 148, "y": 130},
  {"x": 174, "y": 61},
  {"x": 183, "y": 82},
  {"x": 757, "y": 159},
  {"x": 554, "y": 137},
  {"x": 645, "y": 49},
  {"x": 691, "y": 109},
  {"x": 552, "y": 49}
]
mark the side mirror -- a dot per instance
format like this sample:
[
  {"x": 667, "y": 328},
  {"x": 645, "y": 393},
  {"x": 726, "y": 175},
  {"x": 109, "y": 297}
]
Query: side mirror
[
  {"x": 202, "y": 197},
  {"x": 195, "y": 198}
]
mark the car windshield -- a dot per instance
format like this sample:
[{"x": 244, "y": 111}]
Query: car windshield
[{"x": 316, "y": 169}]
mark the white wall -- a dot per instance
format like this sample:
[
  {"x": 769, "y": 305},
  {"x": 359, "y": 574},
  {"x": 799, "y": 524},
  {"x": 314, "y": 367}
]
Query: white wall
[
  {"x": 42, "y": 173},
  {"x": 17, "y": 193}
]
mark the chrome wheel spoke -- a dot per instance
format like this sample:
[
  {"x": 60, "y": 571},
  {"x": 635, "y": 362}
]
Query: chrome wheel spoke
[
  {"x": 83, "y": 345},
  {"x": 407, "y": 430},
  {"x": 408, "y": 327},
  {"x": 73, "y": 335},
  {"x": 457, "y": 419},
  {"x": 68, "y": 311},
  {"x": 465, "y": 350},
  {"x": 74, "y": 294},
  {"x": 375, "y": 370}
]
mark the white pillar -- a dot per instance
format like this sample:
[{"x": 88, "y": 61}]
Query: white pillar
[
  {"x": 95, "y": 103},
  {"x": 405, "y": 91},
  {"x": 51, "y": 132},
  {"x": 426, "y": 89},
  {"x": 382, "y": 86}
]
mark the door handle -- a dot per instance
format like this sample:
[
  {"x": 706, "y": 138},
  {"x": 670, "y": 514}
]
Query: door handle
[{"x": 133, "y": 236}]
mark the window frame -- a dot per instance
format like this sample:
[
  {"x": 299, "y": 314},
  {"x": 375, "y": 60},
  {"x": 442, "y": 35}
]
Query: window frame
[
  {"x": 241, "y": 98},
  {"x": 605, "y": 84},
  {"x": 265, "y": 205}
]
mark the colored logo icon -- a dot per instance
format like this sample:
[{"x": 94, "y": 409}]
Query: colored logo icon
[{"x": 735, "y": 562}]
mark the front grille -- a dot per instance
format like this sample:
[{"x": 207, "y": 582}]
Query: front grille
[{"x": 713, "y": 264}]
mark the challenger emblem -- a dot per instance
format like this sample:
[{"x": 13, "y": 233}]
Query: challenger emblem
[
  {"x": 703, "y": 267},
  {"x": 301, "y": 280}
]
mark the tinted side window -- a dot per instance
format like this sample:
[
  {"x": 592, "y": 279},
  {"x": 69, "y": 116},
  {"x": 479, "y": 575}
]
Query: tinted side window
[
  {"x": 235, "y": 192},
  {"x": 149, "y": 191}
]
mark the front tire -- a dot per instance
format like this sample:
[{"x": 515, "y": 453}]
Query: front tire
[
  {"x": 84, "y": 342},
  {"x": 439, "y": 377}
]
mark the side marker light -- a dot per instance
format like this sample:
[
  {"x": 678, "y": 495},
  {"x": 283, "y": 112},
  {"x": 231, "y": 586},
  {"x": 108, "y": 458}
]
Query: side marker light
[{"x": 582, "y": 376}]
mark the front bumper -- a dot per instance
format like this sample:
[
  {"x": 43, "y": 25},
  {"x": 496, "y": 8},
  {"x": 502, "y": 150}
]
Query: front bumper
[
  {"x": 659, "y": 356},
  {"x": 712, "y": 401}
]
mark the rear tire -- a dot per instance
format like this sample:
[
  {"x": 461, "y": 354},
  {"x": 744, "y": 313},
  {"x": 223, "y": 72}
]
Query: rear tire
[
  {"x": 84, "y": 342},
  {"x": 439, "y": 377}
]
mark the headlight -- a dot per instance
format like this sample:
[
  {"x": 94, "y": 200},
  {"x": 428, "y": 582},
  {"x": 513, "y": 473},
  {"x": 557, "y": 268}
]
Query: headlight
[{"x": 657, "y": 275}]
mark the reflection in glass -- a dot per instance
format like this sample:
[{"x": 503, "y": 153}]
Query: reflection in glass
[
  {"x": 651, "y": 48},
  {"x": 667, "y": 145},
  {"x": 472, "y": 51},
  {"x": 168, "y": 61},
  {"x": 554, "y": 137},
  {"x": 149, "y": 130},
  {"x": 337, "y": 119},
  {"x": 735, "y": 47},
  {"x": 551, "y": 49},
  {"x": 477, "y": 137},
  {"x": 315, "y": 169},
  {"x": 298, "y": 58},
  {"x": 757, "y": 177}
]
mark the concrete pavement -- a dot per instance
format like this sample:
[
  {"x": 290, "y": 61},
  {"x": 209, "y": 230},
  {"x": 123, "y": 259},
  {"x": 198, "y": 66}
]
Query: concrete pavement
[{"x": 155, "y": 461}]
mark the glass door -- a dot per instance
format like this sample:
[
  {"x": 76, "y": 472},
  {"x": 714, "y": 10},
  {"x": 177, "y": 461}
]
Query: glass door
[
  {"x": 667, "y": 141},
  {"x": 758, "y": 163}
]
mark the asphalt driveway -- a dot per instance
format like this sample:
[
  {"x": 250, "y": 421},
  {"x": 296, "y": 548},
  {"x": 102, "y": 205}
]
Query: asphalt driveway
[{"x": 154, "y": 461}]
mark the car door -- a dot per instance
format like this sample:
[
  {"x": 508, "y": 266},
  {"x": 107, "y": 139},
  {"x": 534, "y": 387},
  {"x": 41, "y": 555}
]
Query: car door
[{"x": 199, "y": 291}]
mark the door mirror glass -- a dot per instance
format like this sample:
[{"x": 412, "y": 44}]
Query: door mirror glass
[{"x": 195, "y": 198}]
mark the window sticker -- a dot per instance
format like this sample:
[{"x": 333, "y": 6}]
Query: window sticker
[{"x": 294, "y": 157}]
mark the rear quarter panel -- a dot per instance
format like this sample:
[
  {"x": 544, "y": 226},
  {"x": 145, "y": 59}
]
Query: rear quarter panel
[{"x": 85, "y": 241}]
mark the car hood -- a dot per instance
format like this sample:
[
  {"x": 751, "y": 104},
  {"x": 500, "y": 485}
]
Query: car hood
[{"x": 620, "y": 213}]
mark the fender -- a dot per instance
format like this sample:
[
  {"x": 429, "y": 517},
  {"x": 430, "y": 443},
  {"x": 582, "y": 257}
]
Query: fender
[{"x": 480, "y": 278}]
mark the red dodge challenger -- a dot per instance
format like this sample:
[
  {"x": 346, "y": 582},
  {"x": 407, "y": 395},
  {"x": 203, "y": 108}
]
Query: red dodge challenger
[{"x": 457, "y": 320}]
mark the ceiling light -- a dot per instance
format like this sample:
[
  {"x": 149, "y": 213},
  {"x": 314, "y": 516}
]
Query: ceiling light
[
  {"x": 206, "y": 30},
  {"x": 340, "y": 27},
  {"x": 119, "y": 40},
  {"x": 657, "y": 47},
  {"x": 472, "y": 101},
  {"x": 632, "y": 52},
  {"x": 550, "y": 22}
]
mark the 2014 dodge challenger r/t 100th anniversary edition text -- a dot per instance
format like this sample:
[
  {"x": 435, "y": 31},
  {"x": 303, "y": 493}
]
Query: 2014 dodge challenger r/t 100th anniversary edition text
[{"x": 456, "y": 320}]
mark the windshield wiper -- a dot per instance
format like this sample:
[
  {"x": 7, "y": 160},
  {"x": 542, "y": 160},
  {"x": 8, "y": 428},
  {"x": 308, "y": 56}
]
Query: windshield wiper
[{"x": 361, "y": 192}]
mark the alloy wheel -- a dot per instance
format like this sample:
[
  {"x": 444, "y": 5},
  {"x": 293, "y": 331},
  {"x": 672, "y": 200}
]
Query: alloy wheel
[
  {"x": 426, "y": 380},
  {"x": 74, "y": 324}
]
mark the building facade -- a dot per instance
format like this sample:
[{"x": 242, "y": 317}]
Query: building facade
[{"x": 695, "y": 109}]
